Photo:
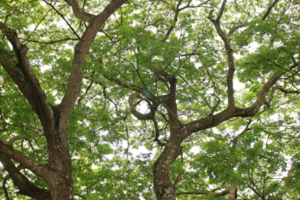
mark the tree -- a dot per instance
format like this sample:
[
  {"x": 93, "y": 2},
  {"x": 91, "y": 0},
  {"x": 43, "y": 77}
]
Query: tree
[
  {"x": 161, "y": 75},
  {"x": 57, "y": 173}
]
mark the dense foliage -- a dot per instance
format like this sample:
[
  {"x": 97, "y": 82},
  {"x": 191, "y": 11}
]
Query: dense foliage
[{"x": 127, "y": 70}]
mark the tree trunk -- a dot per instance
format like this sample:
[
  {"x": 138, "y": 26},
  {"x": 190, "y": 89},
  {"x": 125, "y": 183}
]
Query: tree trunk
[
  {"x": 163, "y": 188},
  {"x": 232, "y": 193},
  {"x": 57, "y": 173}
]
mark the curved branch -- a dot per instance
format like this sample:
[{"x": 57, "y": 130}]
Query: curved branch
[
  {"x": 157, "y": 133},
  {"x": 21, "y": 137},
  {"x": 39, "y": 170},
  {"x": 229, "y": 52},
  {"x": 22, "y": 74},
  {"x": 79, "y": 12},
  {"x": 136, "y": 113},
  {"x": 238, "y": 27},
  {"x": 269, "y": 10},
  {"x": 221, "y": 10},
  {"x": 197, "y": 6},
  {"x": 25, "y": 186}
]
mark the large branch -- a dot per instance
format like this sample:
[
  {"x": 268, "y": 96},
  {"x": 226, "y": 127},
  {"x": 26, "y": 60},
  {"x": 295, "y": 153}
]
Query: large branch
[
  {"x": 79, "y": 12},
  {"x": 261, "y": 97},
  {"x": 136, "y": 113},
  {"x": 81, "y": 50},
  {"x": 22, "y": 137},
  {"x": 156, "y": 102},
  {"x": 269, "y": 10},
  {"x": 25, "y": 186},
  {"x": 229, "y": 52},
  {"x": 161, "y": 74},
  {"x": 230, "y": 112},
  {"x": 171, "y": 106},
  {"x": 39, "y": 170},
  {"x": 238, "y": 27},
  {"x": 22, "y": 75},
  {"x": 221, "y": 10},
  {"x": 53, "y": 119}
]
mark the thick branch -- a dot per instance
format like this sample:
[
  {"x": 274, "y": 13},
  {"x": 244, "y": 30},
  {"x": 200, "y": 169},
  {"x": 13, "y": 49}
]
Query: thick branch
[
  {"x": 136, "y": 113},
  {"x": 25, "y": 80},
  {"x": 229, "y": 52},
  {"x": 21, "y": 137},
  {"x": 79, "y": 12},
  {"x": 221, "y": 10},
  {"x": 261, "y": 97},
  {"x": 25, "y": 161},
  {"x": 230, "y": 112},
  {"x": 25, "y": 186},
  {"x": 269, "y": 10},
  {"x": 238, "y": 27},
  {"x": 81, "y": 50}
]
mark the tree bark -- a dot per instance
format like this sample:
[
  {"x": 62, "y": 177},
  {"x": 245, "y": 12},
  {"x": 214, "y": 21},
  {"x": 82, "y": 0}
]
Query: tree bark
[
  {"x": 57, "y": 173},
  {"x": 163, "y": 188},
  {"x": 232, "y": 193},
  {"x": 287, "y": 183}
]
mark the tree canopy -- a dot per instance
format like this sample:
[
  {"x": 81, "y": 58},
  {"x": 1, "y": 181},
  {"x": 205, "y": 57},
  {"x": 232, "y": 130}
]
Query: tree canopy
[{"x": 166, "y": 99}]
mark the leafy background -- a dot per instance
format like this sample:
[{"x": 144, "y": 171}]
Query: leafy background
[{"x": 112, "y": 152}]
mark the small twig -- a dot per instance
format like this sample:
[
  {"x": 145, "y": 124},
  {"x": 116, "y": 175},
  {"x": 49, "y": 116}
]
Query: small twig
[{"x": 214, "y": 108}]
